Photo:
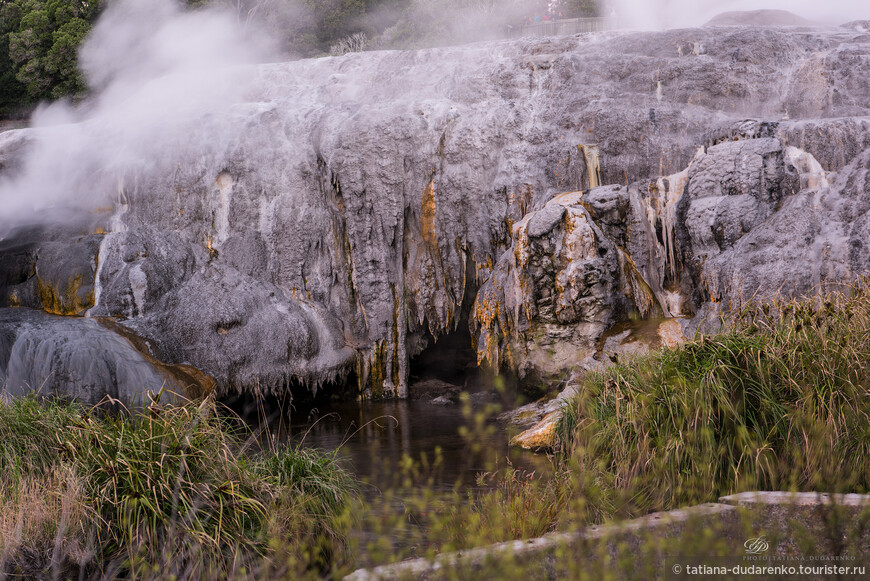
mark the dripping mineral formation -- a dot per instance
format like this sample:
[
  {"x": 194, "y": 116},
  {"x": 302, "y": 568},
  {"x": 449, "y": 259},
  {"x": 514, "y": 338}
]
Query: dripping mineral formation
[{"x": 538, "y": 191}]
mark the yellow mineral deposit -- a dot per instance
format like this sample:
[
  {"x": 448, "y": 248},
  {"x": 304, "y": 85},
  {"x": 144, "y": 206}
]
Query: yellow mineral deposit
[
  {"x": 671, "y": 333},
  {"x": 212, "y": 251},
  {"x": 593, "y": 169},
  {"x": 521, "y": 243},
  {"x": 64, "y": 300},
  {"x": 491, "y": 319},
  {"x": 541, "y": 436},
  {"x": 427, "y": 215}
]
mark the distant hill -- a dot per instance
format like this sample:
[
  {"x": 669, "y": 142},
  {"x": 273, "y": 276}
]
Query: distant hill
[
  {"x": 759, "y": 18},
  {"x": 857, "y": 25}
]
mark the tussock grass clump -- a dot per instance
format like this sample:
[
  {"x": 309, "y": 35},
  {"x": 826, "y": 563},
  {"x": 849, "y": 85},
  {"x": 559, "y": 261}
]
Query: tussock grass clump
[
  {"x": 167, "y": 492},
  {"x": 781, "y": 401}
]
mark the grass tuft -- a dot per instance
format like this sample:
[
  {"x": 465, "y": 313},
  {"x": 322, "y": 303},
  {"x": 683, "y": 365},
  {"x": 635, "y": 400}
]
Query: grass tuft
[
  {"x": 168, "y": 492},
  {"x": 778, "y": 402}
]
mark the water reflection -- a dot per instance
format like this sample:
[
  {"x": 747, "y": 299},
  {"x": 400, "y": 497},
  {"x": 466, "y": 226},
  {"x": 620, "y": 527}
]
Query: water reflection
[{"x": 450, "y": 445}]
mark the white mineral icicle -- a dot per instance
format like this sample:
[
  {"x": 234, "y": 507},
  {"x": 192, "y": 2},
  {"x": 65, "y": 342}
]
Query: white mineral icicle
[
  {"x": 98, "y": 288},
  {"x": 139, "y": 286},
  {"x": 224, "y": 183}
]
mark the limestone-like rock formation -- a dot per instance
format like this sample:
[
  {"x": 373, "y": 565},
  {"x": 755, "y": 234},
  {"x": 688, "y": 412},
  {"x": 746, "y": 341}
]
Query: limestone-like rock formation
[
  {"x": 355, "y": 208},
  {"x": 77, "y": 358}
]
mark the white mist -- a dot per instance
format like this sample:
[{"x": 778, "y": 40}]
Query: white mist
[{"x": 154, "y": 69}]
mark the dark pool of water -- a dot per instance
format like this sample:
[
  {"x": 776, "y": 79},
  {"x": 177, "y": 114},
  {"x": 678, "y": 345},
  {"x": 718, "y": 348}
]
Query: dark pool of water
[
  {"x": 449, "y": 445},
  {"x": 416, "y": 459}
]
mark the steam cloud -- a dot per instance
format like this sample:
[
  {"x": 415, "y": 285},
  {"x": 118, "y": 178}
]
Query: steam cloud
[
  {"x": 154, "y": 70},
  {"x": 661, "y": 14}
]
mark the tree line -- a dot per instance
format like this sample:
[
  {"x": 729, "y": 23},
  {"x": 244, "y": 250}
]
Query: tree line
[{"x": 39, "y": 39}]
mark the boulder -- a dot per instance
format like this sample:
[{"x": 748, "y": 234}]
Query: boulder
[{"x": 79, "y": 359}]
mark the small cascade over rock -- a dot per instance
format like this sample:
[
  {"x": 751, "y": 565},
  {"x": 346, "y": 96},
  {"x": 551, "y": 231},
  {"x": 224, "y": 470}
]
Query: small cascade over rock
[{"x": 78, "y": 358}]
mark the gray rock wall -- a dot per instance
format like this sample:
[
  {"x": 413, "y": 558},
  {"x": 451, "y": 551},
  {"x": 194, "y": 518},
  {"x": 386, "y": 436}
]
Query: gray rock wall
[
  {"x": 76, "y": 358},
  {"x": 351, "y": 205}
]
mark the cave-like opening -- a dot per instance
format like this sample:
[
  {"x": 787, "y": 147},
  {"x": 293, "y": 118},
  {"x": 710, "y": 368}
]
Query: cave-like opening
[
  {"x": 271, "y": 413},
  {"x": 450, "y": 358}
]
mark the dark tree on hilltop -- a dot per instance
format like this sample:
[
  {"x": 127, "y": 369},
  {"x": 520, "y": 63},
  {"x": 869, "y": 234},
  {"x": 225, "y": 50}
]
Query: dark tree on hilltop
[
  {"x": 332, "y": 20},
  {"x": 310, "y": 27},
  {"x": 13, "y": 93},
  {"x": 40, "y": 39},
  {"x": 580, "y": 8},
  {"x": 39, "y": 53}
]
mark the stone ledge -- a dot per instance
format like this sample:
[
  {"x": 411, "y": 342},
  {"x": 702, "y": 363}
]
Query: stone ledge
[
  {"x": 796, "y": 498},
  {"x": 541, "y": 552}
]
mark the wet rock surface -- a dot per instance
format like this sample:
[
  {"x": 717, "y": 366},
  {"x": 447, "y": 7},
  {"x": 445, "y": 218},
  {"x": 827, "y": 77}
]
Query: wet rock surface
[
  {"x": 49, "y": 261},
  {"x": 248, "y": 333},
  {"x": 355, "y": 205},
  {"x": 77, "y": 358}
]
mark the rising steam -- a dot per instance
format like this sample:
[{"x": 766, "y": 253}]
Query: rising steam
[{"x": 153, "y": 69}]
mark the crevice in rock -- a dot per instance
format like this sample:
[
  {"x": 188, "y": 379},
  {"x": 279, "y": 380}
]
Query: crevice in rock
[
  {"x": 270, "y": 413},
  {"x": 451, "y": 357}
]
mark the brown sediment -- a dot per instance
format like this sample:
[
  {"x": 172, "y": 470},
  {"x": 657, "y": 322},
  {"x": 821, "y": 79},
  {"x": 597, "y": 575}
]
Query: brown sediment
[
  {"x": 397, "y": 368},
  {"x": 66, "y": 301},
  {"x": 593, "y": 169},
  {"x": 377, "y": 373},
  {"x": 489, "y": 316},
  {"x": 427, "y": 215},
  {"x": 193, "y": 383}
]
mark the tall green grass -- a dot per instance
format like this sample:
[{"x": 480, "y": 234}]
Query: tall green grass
[
  {"x": 168, "y": 492},
  {"x": 781, "y": 401}
]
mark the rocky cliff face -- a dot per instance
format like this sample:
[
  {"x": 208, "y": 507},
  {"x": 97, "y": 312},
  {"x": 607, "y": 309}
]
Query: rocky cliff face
[{"x": 356, "y": 207}]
